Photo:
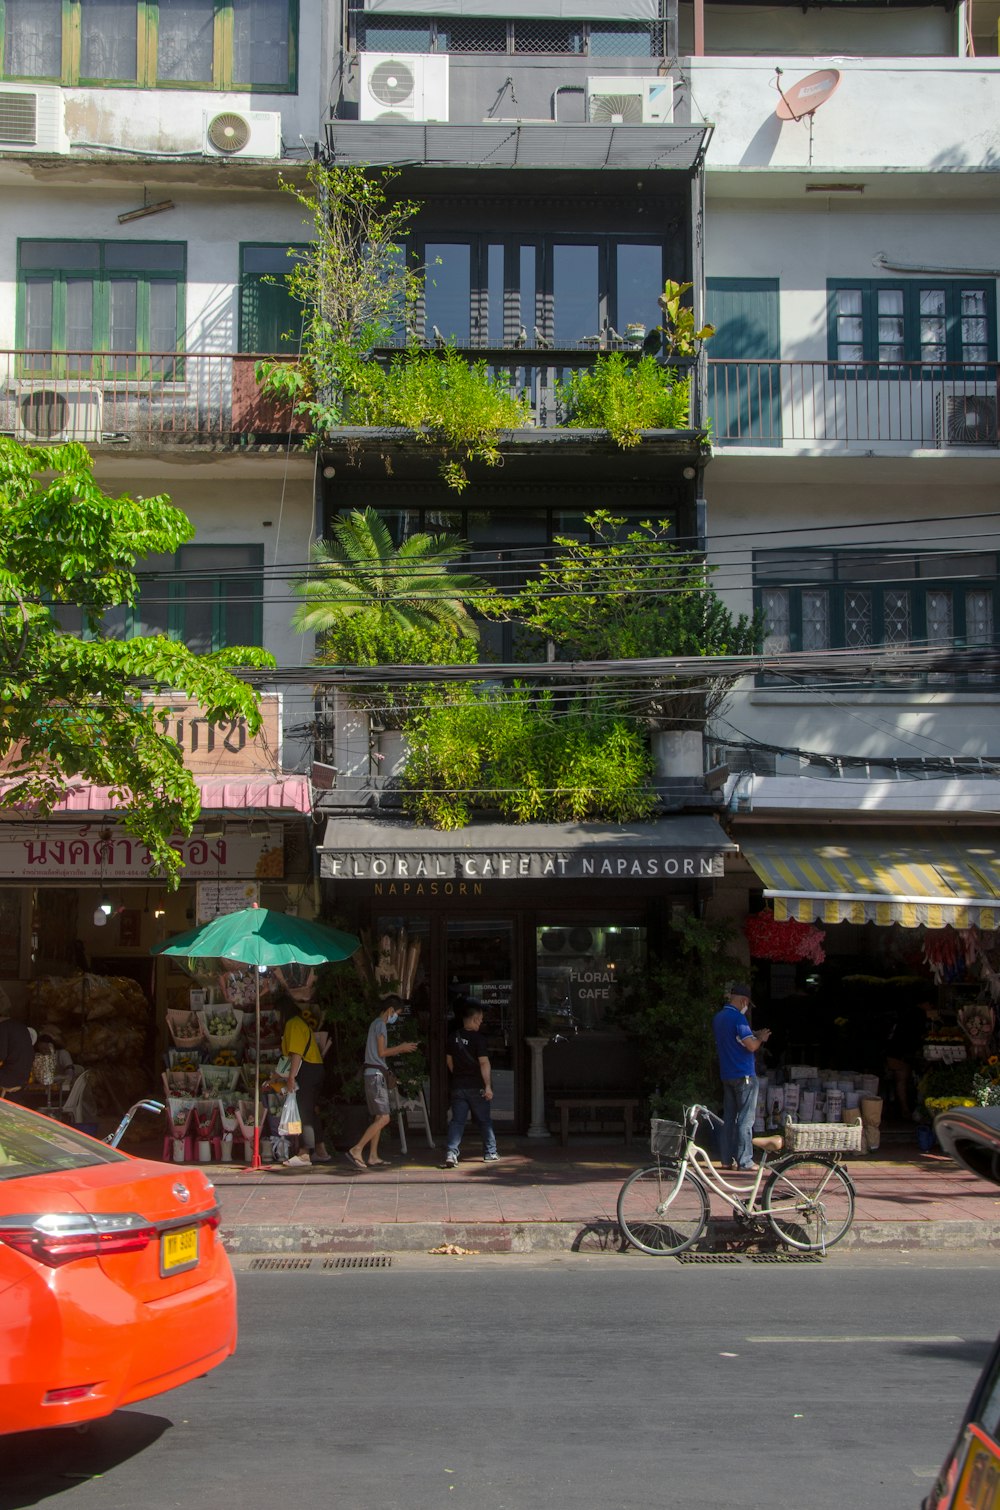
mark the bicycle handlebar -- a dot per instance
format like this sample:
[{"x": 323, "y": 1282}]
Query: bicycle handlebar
[{"x": 697, "y": 1113}]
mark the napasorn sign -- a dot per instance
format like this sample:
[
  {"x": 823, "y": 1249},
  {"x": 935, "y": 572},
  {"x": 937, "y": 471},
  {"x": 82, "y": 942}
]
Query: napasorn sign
[{"x": 587, "y": 852}]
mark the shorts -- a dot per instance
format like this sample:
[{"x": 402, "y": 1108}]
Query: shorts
[{"x": 377, "y": 1094}]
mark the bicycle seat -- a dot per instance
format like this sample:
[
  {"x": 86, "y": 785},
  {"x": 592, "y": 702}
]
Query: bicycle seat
[{"x": 773, "y": 1143}]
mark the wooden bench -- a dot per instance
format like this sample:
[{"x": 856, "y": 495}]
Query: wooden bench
[{"x": 623, "y": 1104}]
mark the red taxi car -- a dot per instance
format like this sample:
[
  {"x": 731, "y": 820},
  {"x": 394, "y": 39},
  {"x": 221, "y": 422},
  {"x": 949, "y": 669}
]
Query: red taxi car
[
  {"x": 970, "y": 1475},
  {"x": 113, "y": 1283}
]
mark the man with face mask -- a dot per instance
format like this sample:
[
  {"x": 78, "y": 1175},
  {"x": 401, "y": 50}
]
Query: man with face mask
[
  {"x": 377, "y": 1052},
  {"x": 737, "y": 1044}
]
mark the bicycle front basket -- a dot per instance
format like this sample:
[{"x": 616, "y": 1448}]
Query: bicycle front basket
[{"x": 666, "y": 1139}]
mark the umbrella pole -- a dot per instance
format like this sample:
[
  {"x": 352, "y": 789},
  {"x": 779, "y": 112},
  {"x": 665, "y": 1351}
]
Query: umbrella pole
[{"x": 255, "y": 1163}]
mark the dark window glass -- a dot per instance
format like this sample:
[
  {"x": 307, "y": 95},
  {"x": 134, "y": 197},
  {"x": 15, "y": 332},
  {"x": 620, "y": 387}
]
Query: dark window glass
[
  {"x": 32, "y": 42},
  {"x": 185, "y": 43},
  {"x": 69, "y": 255},
  {"x": 575, "y": 293},
  {"x": 608, "y": 41},
  {"x": 109, "y": 42},
  {"x": 260, "y": 42},
  {"x": 395, "y": 35},
  {"x": 548, "y": 36},
  {"x": 468, "y": 35},
  {"x": 448, "y": 290},
  {"x": 144, "y": 256},
  {"x": 639, "y": 282},
  {"x": 38, "y": 315}
]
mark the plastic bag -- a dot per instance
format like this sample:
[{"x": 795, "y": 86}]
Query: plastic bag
[{"x": 291, "y": 1122}]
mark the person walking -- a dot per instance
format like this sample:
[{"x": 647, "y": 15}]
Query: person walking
[
  {"x": 377, "y": 1075},
  {"x": 471, "y": 1085},
  {"x": 736, "y": 1044},
  {"x": 305, "y": 1078}
]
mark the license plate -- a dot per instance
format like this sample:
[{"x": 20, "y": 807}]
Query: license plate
[{"x": 179, "y": 1250}]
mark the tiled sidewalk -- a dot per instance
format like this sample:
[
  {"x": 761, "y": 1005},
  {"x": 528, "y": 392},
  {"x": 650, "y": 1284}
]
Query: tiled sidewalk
[{"x": 543, "y": 1196}]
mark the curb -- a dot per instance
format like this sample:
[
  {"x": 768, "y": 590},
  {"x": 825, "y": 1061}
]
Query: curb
[{"x": 574, "y": 1237}]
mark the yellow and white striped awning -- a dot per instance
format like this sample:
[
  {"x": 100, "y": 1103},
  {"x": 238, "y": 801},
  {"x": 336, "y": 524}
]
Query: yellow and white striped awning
[{"x": 879, "y": 876}]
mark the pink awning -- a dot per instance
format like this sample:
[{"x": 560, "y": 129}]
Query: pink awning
[{"x": 260, "y": 794}]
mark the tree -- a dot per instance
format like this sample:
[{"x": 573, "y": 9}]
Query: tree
[
  {"x": 71, "y": 705},
  {"x": 377, "y": 604},
  {"x": 616, "y": 598}
]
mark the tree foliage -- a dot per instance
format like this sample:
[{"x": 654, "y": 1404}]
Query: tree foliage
[
  {"x": 71, "y": 706},
  {"x": 635, "y": 596},
  {"x": 626, "y": 396},
  {"x": 508, "y": 751},
  {"x": 668, "y": 1006}
]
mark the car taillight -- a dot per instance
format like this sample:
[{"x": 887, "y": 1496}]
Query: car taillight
[{"x": 61, "y": 1237}]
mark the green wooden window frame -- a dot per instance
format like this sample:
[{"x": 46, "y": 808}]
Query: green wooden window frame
[
  {"x": 204, "y": 593},
  {"x": 898, "y": 595},
  {"x": 265, "y": 304},
  {"x": 93, "y": 268},
  {"x": 225, "y": 25},
  {"x": 879, "y": 305}
]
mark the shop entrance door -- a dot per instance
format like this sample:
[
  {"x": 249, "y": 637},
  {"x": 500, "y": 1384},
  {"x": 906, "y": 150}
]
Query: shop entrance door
[{"x": 479, "y": 966}]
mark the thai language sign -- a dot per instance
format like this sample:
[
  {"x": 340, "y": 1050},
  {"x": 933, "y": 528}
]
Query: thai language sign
[{"x": 96, "y": 853}]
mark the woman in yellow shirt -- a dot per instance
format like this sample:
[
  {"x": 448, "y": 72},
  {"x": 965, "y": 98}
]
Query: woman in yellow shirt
[{"x": 305, "y": 1078}]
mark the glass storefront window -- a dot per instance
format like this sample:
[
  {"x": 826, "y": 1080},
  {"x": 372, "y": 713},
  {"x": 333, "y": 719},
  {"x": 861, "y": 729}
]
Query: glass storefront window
[{"x": 580, "y": 967}]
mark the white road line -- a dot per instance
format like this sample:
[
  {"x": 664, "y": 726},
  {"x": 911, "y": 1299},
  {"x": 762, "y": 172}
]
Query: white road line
[{"x": 801, "y": 1337}]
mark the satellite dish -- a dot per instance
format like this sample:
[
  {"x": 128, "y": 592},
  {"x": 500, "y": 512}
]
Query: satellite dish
[{"x": 807, "y": 95}]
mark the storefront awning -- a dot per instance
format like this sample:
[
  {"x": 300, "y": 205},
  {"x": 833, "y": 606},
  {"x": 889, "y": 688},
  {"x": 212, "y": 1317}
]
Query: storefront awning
[
  {"x": 878, "y": 876},
  {"x": 682, "y": 848},
  {"x": 241, "y": 794}
]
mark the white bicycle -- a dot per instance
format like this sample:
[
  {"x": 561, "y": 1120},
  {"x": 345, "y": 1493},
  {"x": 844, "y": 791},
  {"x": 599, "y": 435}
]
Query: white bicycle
[{"x": 807, "y": 1198}]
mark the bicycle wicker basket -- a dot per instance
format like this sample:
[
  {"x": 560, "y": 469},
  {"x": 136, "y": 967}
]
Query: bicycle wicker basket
[
  {"x": 822, "y": 1137},
  {"x": 666, "y": 1139}
]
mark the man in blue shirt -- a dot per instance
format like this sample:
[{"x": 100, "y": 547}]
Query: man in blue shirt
[{"x": 737, "y": 1044}]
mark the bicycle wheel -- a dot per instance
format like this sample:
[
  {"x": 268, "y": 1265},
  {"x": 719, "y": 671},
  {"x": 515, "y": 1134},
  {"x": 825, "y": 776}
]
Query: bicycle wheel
[
  {"x": 809, "y": 1202},
  {"x": 662, "y": 1210}
]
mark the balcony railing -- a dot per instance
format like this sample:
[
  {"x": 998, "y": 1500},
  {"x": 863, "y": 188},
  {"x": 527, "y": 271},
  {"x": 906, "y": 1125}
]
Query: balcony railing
[
  {"x": 904, "y": 406},
  {"x": 153, "y": 399}
]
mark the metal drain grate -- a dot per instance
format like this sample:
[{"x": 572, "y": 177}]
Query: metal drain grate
[
  {"x": 708, "y": 1258},
  {"x": 785, "y": 1258},
  {"x": 368, "y": 1261},
  {"x": 280, "y": 1263}
]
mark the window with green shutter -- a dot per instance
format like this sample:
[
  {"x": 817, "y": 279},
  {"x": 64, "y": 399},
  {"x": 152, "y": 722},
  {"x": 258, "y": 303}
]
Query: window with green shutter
[
  {"x": 937, "y": 322},
  {"x": 270, "y": 319}
]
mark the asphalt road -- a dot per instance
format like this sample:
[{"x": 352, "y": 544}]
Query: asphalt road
[{"x": 516, "y": 1384}]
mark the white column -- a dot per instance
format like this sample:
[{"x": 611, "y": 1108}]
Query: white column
[{"x": 538, "y": 1129}]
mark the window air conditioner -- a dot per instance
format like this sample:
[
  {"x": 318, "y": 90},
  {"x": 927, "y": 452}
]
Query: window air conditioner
[
  {"x": 410, "y": 88},
  {"x": 629, "y": 101},
  {"x": 246, "y": 133},
  {"x": 32, "y": 118},
  {"x": 49, "y": 412},
  {"x": 965, "y": 419}
]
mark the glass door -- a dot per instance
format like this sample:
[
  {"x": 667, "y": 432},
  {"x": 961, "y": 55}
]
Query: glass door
[{"x": 479, "y": 962}]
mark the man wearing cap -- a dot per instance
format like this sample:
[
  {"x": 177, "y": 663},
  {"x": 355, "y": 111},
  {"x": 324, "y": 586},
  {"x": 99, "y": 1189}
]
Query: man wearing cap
[{"x": 737, "y": 1044}]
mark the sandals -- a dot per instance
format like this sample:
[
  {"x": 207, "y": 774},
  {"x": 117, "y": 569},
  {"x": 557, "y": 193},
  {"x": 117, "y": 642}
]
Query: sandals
[
  {"x": 298, "y": 1161},
  {"x": 379, "y": 1163},
  {"x": 353, "y": 1159}
]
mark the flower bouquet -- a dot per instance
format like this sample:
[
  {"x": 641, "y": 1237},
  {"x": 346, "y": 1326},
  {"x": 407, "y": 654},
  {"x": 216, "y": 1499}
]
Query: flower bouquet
[
  {"x": 788, "y": 942},
  {"x": 182, "y": 1082},
  {"x": 221, "y": 1026},
  {"x": 217, "y": 1078},
  {"x": 181, "y": 1112},
  {"x": 184, "y": 1027},
  {"x": 986, "y": 1083}
]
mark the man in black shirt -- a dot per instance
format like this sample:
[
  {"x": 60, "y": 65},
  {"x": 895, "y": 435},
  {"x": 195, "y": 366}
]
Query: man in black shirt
[
  {"x": 17, "y": 1055},
  {"x": 471, "y": 1085}
]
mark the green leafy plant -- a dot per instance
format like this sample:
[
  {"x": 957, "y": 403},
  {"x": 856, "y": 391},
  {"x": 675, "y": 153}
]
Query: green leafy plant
[
  {"x": 680, "y": 337},
  {"x": 73, "y": 706},
  {"x": 626, "y": 396},
  {"x": 667, "y": 1009},
  {"x": 635, "y": 596},
  {"x": 448, "y": 402},
  {"x": 508, "y": 750}
]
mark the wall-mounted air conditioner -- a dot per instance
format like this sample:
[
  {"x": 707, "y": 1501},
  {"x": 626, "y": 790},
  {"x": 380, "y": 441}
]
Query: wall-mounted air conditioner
[
  {"x": 623, "y": 101},
  {"x": 32, "y": 118},
  {"x": 409, "y": 88},
  {"x": 965, "y": 419},
  {"x": 243, "y": 133},
  {"x": 49, "y": 411}
]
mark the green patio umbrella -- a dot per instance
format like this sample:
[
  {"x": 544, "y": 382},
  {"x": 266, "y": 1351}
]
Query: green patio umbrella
[{"x": 259, "y": 936}]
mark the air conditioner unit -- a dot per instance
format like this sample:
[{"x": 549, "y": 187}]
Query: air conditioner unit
[
  {"x": 410, "y": 88},
  {"x": 32, "y": 118},
  {"x": 243, "y": 133},
  {"x": 965, "y": 419},
  {"x": 50, "y": 411},
  {"x": 630, "y": 101}
]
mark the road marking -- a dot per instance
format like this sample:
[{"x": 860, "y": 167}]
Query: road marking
[{"x": 799, "y": 1338}]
